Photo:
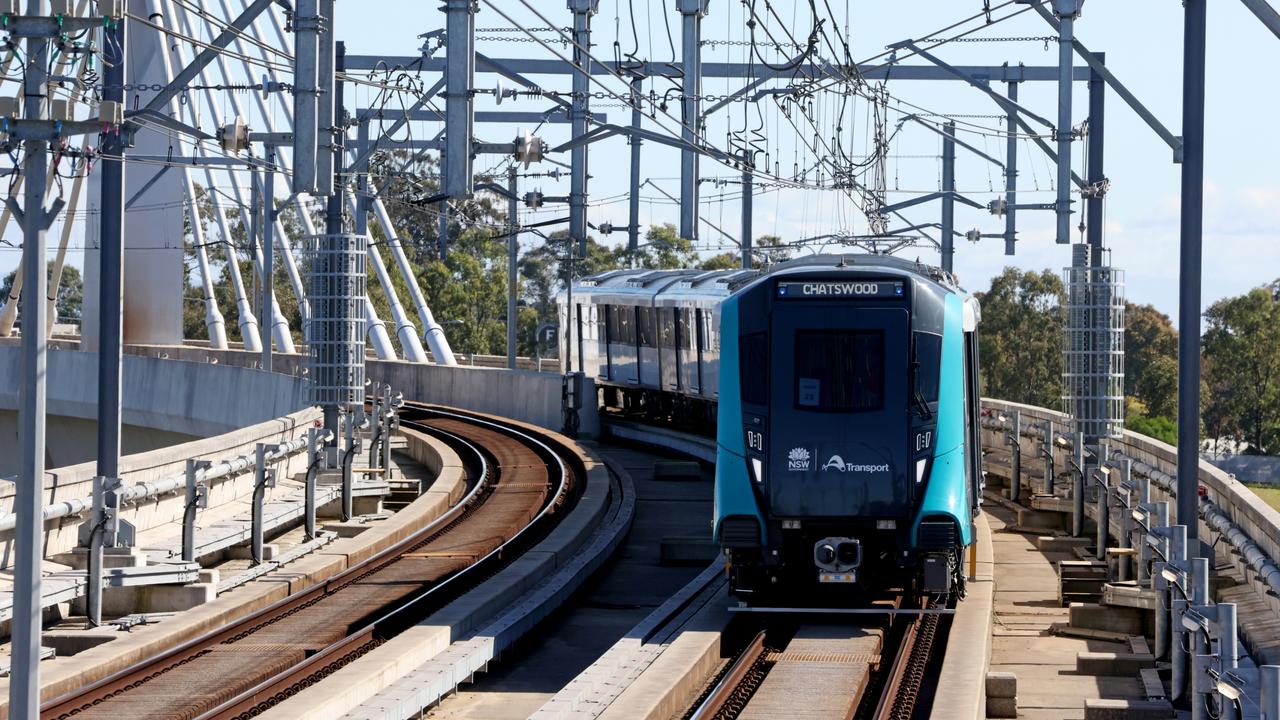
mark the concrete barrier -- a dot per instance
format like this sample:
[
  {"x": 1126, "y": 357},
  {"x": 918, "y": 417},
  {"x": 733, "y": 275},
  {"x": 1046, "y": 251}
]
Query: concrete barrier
[
  {"x": 192, "y": 398},
  {"x": 525, "y": 395},
  {"x": 1246, "y": 511},
  {"x": 76, "y": 481}
]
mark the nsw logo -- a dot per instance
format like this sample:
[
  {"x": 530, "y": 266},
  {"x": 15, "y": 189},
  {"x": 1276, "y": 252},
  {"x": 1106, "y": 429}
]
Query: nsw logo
[{"x": 798, "y": 459}]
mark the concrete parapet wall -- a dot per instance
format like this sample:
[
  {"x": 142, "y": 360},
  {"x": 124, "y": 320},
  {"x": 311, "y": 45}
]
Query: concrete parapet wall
[
  {"x": 191, "y": 398},
  {"x": 525, "y": 395},
  {"x": 1258, "y": 520},
  {"x": 232, "y": 408},
  {"x": 76, "y": 481}
]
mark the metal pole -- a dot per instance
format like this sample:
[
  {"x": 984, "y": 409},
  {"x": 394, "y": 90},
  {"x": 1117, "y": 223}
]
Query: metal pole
[
  {"x": 1049, "y": 469},
  {"x": 1189, "y": 279},
  {"x": 24, "y": 688},
  {"x": 265, "y": 195},
  {"x": 259, "y": 491},
  {"x": 1077, "y": 485},
  {"x": 110, "y": 318},
  {"x": 1067, "y": 11},
  {"x": 1104, "y": 514},
  {"x": 692, "y": 12},
  {"x": 1011, "y": 176},
  {"x": 748, "y": 190},
  {"x": 948, "y": 195},
  {"x": 1015, "y": 460},
  {"x": 513, "y": 249},
  {"x": 1269, "y": 677},
  {"x": 328, "y": 111},
  {"x": 578, "y": 115},
  {"x": 633, "y": 225},
  {"x": 333, "y": 208},
  {"x": 305, "y": 99},
  {"x": 459, "y": 104},
  {"x": 1096, "y": 177},
  {"x": 314, "y": 452}
]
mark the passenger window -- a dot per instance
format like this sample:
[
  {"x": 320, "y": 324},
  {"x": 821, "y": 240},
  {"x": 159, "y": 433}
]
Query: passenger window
[
  {"x": 667, "y": 327},
  {"x": 753, "y": 363},
  {"x": 929, "y": 365},
  {"x": 645, "y": 327}
]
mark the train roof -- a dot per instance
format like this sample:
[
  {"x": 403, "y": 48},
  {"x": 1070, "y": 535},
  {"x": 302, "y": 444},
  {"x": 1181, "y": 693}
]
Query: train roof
[
  {"x": 860, "y": 261},
  {"x": 662, "y": 287}
]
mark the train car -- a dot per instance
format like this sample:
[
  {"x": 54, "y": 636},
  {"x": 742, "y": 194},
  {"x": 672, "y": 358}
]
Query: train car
[
  {"x": 848, "y": 452},
  {"x": 650, "y": 341},
  {"x": 843, "y": 391}
]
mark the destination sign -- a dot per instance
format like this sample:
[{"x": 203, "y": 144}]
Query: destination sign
[{"x": 827, "y": 289}]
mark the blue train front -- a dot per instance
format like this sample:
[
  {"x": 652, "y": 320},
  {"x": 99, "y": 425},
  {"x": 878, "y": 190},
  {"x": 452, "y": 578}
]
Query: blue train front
[{"x": 848, "y": 451}]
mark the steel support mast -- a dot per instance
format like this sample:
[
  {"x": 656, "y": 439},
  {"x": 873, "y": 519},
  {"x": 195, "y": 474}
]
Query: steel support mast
[
  {"x": 1193, "y": 62},
  {"x": 110, "y": 314},
  {"x": 1011, "y": 175},
  {"x": 459, "y": 112},
  {"x": 513, "y": 250},
  {"x": 1066, "y": 11},
  {"x": 948, "y": 195},
  {"x": 578, "y": 117},
  {"x": 692, "y": 12},
  {"x": 24, "y": 687}
]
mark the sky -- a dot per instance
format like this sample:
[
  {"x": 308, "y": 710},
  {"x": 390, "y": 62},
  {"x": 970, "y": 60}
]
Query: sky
[{"x": 1142, "y": 42}]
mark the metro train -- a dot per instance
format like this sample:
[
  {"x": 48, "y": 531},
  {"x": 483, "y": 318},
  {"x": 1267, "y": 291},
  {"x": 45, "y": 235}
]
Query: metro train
[{"x": 844, "y": 391}]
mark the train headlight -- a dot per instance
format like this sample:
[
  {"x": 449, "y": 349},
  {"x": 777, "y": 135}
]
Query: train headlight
[
  {"x": 921, "y": 465},
  {"x": 757, "y": 470},
  {"x": 824, "y": 554}
]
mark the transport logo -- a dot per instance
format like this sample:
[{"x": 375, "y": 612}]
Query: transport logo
[
  {"x": 798, "y": 459},
  {"x": 835, "y": 463},
  {"x": 838, "y": 464}
]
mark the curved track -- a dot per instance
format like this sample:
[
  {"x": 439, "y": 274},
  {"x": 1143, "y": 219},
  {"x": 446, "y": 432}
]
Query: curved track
[{"x": 517, "y": 482}]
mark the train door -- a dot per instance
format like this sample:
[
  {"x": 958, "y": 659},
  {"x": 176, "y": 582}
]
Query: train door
[
  {"x": 647, "y": 347},
  {"x": 710, "y": 348},
  {"x": 972, "y": 426},
  {"x": 668, "y": 360},
  {"x": 688, "y": 354},
  {"x": 607, "y": 341},
  {"x": 838, "y": 399}
]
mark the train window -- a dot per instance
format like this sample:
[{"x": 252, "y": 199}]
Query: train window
[
  {"x": 928, "y": 365},
  {"x": 666, "y": 327},
  {"x": 682, "y": 321},
  {"x": 611, "y": 323},
  {"x": 839, "y": 370},
  {"x": 702, "y": 329},
  {"x": 754, "y": 366},
  {"x": 646, "y": 329},
  {"x": 623, "y": 331}
]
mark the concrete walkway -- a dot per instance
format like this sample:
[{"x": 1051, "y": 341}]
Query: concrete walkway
[{"x": 1026, "y": 604}]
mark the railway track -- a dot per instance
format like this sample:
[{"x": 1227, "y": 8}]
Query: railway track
[
  {"x": 832, "y": 672},
  {"x": 517, "y": 483}
]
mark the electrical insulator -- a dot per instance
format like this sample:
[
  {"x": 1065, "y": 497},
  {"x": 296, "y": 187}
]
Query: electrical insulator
[
  {"x": 60, "y": 110},
  {"x": 234, "y": 137},
  {"x": 973, "y": 235},
  {"x": 533, "y": 199},
  {"x": 113, "y": 9},
  {"x": 998, "y": 207},
  {"x": 111, "y": 112},
  {"x": 529, "y": 149},
  {"x": 606, "y": 228}
]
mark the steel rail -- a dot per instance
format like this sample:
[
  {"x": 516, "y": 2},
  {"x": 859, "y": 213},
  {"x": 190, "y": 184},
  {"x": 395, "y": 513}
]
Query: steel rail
[
  {"x": 730, "y": 685},
  {"x": 384, "y": 623}
]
